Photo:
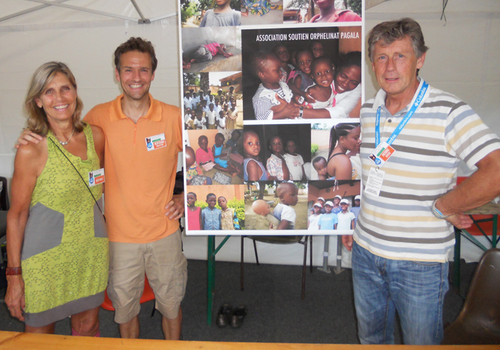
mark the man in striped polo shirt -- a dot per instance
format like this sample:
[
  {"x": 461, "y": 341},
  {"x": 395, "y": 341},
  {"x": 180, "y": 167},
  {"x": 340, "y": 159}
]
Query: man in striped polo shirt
[{"x": 414, "y": 137}]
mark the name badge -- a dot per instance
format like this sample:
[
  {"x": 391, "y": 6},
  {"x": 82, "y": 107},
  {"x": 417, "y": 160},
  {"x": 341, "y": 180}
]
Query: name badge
[
  {"x": 155, "y": 142},
  {"x": 96, "y": 177},
  {"x": 382, "y": 154},
  {"x": 375, "y": 180}
]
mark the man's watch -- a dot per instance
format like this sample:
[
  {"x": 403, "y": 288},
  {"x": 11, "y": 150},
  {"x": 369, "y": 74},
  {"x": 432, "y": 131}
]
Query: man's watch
[
  {"x": 301, "y": 112},
  {"x": 438, "y": 213}
]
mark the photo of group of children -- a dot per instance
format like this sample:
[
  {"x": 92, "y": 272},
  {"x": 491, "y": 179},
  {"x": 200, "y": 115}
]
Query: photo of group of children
[
  {"x": 208, "y": 13},
  {"x": 209, "y": 158},
  {"x": 268, "y": 112},
  {"x": 215, "y": 208},
  {"x": 216, "y": 106},
  {"x": 314, "y": 74},
  {"x": 275, "y": 152},
  {"x": 340, "y": 213}
]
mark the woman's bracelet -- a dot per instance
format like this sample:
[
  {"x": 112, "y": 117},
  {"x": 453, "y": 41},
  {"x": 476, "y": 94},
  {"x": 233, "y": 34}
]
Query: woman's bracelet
[{"x": 13, "y": 271}]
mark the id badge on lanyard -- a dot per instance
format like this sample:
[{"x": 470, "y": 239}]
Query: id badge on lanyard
[{"x": 383, "y": 150}]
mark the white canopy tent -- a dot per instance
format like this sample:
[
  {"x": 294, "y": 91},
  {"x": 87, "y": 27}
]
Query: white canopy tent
[{"x": 463, "y": 56}]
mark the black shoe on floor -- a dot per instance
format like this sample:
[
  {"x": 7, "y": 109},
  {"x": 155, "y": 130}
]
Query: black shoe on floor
[
  {"x": 224, "y": 315},
  {"x": 239, "y": 314}
]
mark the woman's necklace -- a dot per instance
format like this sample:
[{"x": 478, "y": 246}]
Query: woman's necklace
[{"x": 65, "y": 143}]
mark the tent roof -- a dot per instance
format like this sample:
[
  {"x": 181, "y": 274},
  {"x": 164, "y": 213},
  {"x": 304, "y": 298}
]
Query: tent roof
[{"x": 36, "y": 14}]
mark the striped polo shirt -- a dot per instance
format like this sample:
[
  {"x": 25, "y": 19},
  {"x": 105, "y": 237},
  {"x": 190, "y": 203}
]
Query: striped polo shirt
[{"x": 398, "y": 224}]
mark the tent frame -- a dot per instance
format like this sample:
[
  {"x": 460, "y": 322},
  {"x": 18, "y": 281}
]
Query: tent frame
[{"x": 61, "y": 3}]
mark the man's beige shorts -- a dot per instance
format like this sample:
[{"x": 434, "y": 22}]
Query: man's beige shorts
[{"x": 166, "y": 268}]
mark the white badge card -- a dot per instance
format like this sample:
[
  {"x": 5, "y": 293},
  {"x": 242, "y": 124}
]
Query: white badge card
[
  {"x": 96, "y": 177},
  {"x": 382, "y": 154},
  {"x": 375, "y": 180},
  {"x": 155, "y": 142}
]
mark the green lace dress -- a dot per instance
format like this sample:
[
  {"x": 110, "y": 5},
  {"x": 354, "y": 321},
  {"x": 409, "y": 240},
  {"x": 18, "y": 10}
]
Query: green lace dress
[{"x": 65, "y": 250}]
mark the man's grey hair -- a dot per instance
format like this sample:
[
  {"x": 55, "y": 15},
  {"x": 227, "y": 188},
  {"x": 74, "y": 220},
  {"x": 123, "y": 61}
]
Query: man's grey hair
[{"x": 390, "y": 31}]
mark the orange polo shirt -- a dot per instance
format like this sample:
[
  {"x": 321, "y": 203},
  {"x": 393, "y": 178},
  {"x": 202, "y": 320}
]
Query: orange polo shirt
[{"x": 139, "y": 182}]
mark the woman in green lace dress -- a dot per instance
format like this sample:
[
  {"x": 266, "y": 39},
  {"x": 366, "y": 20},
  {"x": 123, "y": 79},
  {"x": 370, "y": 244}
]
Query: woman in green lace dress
[{"x": 56, "y": 238}]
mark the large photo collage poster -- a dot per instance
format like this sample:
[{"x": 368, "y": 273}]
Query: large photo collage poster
[{"x": 271, "y": 94}]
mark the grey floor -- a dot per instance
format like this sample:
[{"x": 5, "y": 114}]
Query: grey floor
[{"x": 275, "y": 311}]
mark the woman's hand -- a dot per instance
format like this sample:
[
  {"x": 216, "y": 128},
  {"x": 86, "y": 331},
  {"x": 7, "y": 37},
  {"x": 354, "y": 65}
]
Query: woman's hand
[{"x": 14, "y": 298}]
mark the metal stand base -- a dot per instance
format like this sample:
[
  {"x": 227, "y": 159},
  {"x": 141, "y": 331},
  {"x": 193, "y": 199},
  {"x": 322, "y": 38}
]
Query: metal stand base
[
  {"x": 326, "y": 248},
  {"x": 338, "y": 267}
]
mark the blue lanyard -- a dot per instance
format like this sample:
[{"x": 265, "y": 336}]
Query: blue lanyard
[{"x": 405, "y": 120}]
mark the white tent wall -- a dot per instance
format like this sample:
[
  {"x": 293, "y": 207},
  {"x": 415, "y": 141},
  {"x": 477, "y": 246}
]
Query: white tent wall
[{"x": 462, "y": 59}]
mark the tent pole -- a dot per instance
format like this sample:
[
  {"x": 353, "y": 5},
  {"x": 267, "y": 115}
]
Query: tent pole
[{"x": 33, "y": 9}]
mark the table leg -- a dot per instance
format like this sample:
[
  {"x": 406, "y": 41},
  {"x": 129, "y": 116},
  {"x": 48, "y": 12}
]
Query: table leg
[
  {"x": 210, "y": 278},
  {"x": 456, "y": 261},
  {"x": 494, "y": 233}
]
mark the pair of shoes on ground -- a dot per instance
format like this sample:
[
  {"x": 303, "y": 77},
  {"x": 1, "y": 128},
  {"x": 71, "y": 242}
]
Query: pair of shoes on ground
[{"x": 228, "y": 315}]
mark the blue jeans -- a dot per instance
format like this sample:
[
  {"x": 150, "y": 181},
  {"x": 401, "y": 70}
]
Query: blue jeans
[{"x": 414, "y": 289}]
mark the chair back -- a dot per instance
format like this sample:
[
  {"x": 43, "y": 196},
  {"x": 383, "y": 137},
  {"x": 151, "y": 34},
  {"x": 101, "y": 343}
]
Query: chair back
[
  {"x": 479, "y": 319},
  {"x": 483, "y": 299}
]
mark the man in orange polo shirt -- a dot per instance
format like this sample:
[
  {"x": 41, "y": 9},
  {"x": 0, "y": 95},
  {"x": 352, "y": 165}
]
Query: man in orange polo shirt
[{"x": 143, "y": 139}]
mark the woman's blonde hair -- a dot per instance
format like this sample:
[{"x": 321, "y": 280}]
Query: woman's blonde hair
[{"x": 37, "y": 118}]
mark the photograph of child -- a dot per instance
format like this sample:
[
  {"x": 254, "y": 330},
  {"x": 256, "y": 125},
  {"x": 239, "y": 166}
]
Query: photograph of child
[
  {"x": 275, "y": 152},
  {"x": 314, "y": 73},
  {"x": 211, "y": 49},
  {"x": 206, "y": 95},
  {"x": 211, "y": 216},
  {"x": 275, "y": 205},
  {"x": 336, "y": 151},
  {"x": 217, "y": 13},
  {"x": 312, "y": 222},
  {"x": 215, "y": 208},
  {"x": 253, "y": 168},
  {"x": 213, "y": 158},
  {"x": 321, "y": 11},
  {"x": 194, "y": 173},
  {"x": 330, "y": 206}
]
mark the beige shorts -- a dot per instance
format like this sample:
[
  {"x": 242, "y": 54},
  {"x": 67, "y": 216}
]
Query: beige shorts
[{"x": 164, "y": 264}]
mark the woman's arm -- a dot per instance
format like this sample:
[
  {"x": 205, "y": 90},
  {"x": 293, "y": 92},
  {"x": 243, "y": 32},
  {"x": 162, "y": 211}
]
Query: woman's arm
[
  {"x": 29, "y": 163},
  {"x": 316, "y": 113}
]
